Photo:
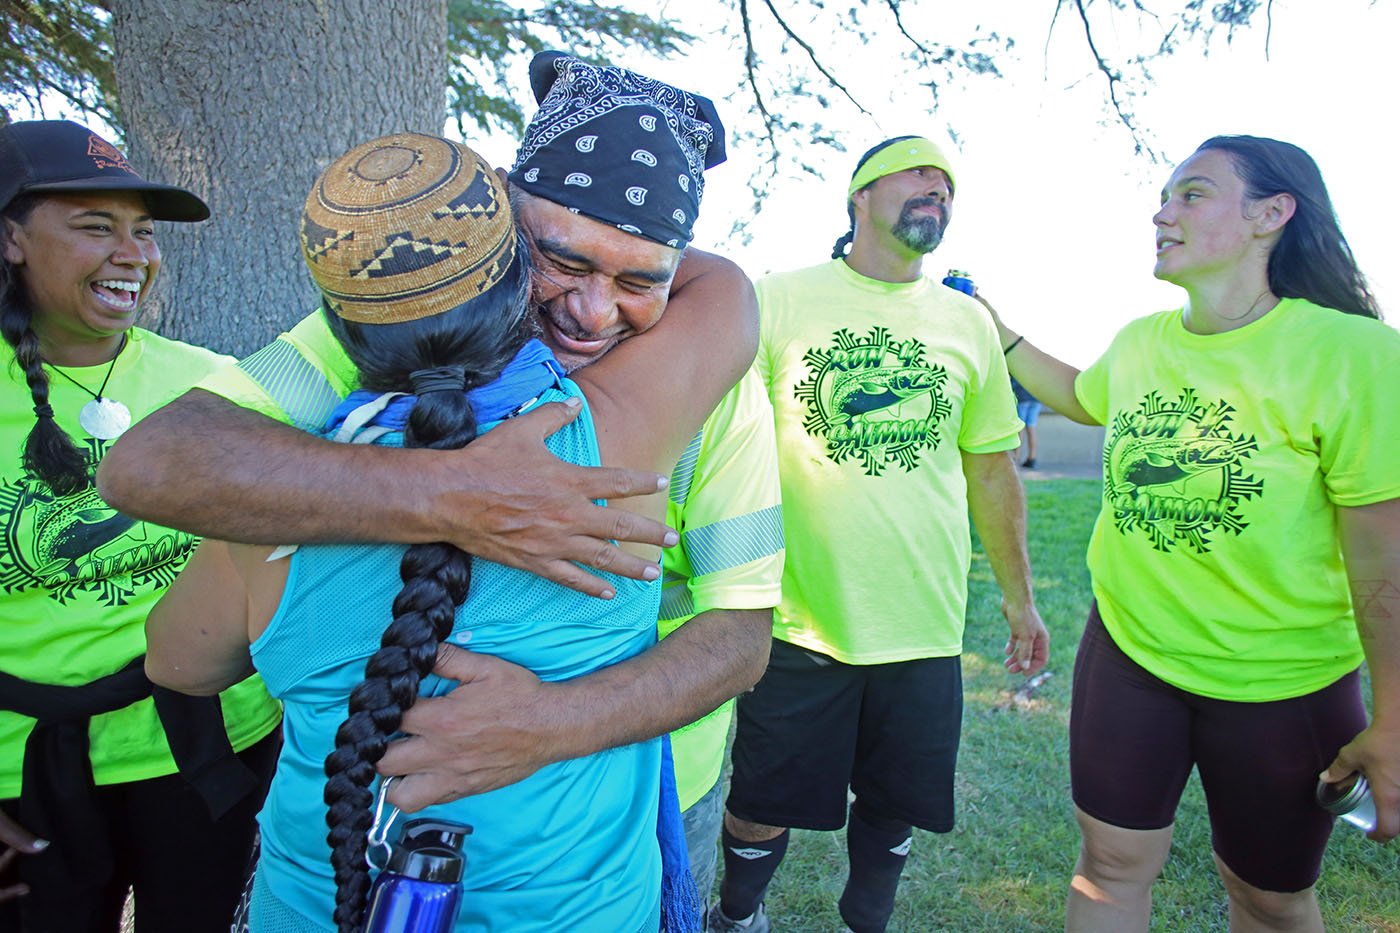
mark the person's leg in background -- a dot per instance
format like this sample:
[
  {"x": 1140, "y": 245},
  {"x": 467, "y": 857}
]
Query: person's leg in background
[
  {"x": 794, "y": 747},
  {"x": 702, "y": 821}
]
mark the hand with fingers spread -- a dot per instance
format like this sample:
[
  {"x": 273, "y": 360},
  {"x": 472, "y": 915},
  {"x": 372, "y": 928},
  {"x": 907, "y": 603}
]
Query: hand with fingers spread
[
  {"x": 498, "y": 726},
  {"x": 530, "y": 510}
]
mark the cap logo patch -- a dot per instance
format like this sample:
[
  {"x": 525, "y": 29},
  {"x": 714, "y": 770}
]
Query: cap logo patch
[{"x": 105, "y": 155}]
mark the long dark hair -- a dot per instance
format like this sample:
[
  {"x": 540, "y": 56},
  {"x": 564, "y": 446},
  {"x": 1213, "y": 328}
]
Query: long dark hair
[
  {"x": 847, "y": 238},
  {"x": 478, "y": 337},
  {"x": 1312, "y": 259},
  {"x": 49, "y": 453}
]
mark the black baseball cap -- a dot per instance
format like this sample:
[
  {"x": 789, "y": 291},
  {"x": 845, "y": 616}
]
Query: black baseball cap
[{"x": 60, "y": 155}]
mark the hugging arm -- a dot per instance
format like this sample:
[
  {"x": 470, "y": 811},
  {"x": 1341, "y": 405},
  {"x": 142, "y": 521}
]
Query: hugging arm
[
  {"x": 206, "y": 465},
  {"x": 502, "y": 723},
  {"x": 649, "y": 396},
  {"x": 197, "y": 634}
]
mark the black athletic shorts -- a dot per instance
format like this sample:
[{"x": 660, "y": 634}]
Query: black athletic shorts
[
  {"x": 1133, "y": 739},
  {"x": 814, "y": 726}
]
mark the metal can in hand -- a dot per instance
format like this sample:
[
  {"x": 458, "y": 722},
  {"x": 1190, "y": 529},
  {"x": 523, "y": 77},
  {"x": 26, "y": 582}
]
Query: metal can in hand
[
  {"x": 959, "y": 280},
  {"x": 1351, "y": 800}
]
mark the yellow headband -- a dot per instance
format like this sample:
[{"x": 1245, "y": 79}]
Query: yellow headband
[{"x": 898, "y": 156}]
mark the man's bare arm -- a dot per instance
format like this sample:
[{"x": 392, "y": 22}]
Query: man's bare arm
[
  {"x": 503, "y": 724},
  {"x": 997, "y": 503},
  {"x": 205, "y": 465}
]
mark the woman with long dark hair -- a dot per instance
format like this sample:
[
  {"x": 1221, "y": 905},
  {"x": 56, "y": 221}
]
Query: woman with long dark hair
[
  {"x": 90, "y": 754},
  {"x": 1247, "y": 556},
  {"x": 411, "y": 242}
]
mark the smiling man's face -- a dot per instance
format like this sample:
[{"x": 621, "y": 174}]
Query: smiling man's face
[{"x": 594, "y": 285}]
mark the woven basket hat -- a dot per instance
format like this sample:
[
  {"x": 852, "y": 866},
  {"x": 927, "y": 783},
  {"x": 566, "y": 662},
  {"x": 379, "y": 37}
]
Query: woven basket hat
[{"x": 405, "y": 227}]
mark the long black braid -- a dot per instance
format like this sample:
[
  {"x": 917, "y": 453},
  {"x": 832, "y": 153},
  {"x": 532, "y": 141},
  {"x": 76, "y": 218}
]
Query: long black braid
[
  {"x": 477, "y": 338},
  {"x": 847, "y": 238},
  {"x": 49, "y": 453}
]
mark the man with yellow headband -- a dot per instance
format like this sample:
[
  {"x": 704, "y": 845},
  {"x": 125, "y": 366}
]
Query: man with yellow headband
[{"x": 894, "y": 417}]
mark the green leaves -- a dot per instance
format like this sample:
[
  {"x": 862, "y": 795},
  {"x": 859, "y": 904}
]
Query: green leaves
[
  {"x": 58, "y": 47},
  {"x": 487, "y": 40}
]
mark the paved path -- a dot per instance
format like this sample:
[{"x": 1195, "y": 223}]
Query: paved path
[{"x": 1065, "y": 449}]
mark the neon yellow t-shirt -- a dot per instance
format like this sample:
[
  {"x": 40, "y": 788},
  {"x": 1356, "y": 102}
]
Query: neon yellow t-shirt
[
  {"x": 77, "y": 578},
  {"x": 723, "y": 500},
  {"x": 1215, "y": 558},
  {"x": 876, "y": 388}
]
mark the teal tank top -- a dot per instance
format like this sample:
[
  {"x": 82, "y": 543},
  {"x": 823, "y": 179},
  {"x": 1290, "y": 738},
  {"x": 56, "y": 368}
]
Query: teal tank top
[{"x": 573, "y": 846}]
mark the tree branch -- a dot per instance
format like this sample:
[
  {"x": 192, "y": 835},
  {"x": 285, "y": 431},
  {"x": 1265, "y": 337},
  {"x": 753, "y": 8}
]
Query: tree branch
[{"x": 811, "y": 54}]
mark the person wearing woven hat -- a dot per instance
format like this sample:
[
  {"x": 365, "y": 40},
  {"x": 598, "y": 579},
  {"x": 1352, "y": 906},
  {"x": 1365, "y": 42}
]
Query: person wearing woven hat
[
  {"x": 894, "y": 415},
  {"x": 440, "y": 341},
  {"x": 603, "y": 258},
  {"x": 90, "y": 751}
]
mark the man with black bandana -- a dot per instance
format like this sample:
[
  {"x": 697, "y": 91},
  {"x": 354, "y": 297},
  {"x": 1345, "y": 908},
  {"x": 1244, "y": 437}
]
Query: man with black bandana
[
  {"x": 892, "y": 401},
  {"x": 607, "y": 186}
]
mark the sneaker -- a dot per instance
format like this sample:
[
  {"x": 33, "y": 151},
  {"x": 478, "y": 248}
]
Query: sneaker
[
  {"x": 1028, "y": 463},
  {"x": 717, "y": 922}
]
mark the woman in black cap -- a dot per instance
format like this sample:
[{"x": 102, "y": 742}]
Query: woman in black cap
[{"x": 91, "y": 806}]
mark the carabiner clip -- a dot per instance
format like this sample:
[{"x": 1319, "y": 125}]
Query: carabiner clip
[{"x": 377, "y": 853}]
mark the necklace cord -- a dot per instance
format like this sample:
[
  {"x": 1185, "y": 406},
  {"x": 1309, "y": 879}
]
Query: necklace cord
[{"x": 103, "y": 388}]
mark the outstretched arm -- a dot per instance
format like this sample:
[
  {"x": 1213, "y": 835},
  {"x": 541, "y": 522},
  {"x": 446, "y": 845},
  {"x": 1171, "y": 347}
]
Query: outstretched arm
[
  {"x": 503, "y": 724},
  {"x": 208, "y": 466},
  {"x": 1371, "y": 546},
  {"x": 1049, "y": 379},
  {"x": 997, "y": 503}
]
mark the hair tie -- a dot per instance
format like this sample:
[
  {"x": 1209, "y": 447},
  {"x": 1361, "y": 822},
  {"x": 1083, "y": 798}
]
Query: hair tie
[
  {"x": 842, "y": 242},
  {"x": 44, "y": 411},
  {"x": 439, "y": 379}
]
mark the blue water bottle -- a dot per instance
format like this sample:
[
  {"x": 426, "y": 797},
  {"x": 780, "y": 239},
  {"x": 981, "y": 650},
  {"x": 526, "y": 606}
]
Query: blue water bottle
[
  {"x": 960, "y": 280},
  {"x": 420, "y": 887}
]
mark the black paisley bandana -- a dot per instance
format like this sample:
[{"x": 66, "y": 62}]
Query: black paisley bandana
[{"x": 619, "y": 147}]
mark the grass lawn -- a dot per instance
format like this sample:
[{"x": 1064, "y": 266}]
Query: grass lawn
[{"x": 1005, "y": 866}]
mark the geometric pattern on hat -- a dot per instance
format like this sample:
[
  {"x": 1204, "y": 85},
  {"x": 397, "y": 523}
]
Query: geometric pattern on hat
[
  {"x": 618, "y": 147},
  {"x": 405, "y": 227}
]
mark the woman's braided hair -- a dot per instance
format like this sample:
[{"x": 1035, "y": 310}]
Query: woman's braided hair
[
  {"x": 49, "y": 453},
  {"x": 391, "y": 340}
]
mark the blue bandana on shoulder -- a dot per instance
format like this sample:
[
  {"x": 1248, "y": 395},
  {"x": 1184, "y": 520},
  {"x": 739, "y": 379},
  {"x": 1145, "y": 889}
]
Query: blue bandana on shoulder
[{"x": 524, "y": 379}]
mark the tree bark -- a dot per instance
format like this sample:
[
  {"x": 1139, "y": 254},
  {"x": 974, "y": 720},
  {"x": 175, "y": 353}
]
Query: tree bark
[{"x": 244, "y": 102}]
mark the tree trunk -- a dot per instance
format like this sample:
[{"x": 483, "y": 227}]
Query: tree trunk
[{"x": 244, "y": 102}]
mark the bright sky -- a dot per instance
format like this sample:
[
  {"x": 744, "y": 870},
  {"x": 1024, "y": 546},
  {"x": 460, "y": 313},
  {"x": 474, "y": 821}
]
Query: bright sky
[{"x": 1053, "y": 209}]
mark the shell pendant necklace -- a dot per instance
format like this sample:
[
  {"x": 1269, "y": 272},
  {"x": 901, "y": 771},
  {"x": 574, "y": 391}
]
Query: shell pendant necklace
[{"x": 104, "y": 418}]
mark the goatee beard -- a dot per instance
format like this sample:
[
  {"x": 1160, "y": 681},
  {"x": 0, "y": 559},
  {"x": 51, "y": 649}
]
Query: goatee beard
[{"x": 923, "y": 233}]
